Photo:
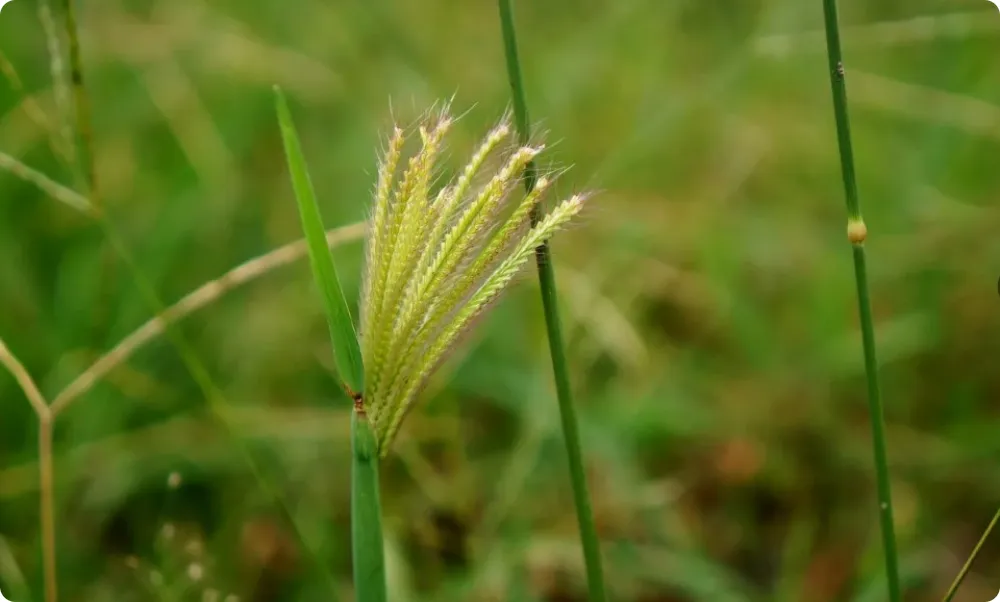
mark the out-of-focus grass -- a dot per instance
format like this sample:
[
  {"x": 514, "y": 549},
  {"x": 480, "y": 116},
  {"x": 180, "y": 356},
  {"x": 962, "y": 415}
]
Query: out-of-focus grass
[{"x": 709, "y": 312}]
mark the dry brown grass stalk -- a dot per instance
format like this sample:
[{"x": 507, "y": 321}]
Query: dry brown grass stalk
[
  {"x": 45, "y": 476},
  {"x": 199, "y": 298}
]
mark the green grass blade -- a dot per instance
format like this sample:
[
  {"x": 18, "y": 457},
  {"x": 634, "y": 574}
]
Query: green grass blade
[
  {"x": 972, "y": 558},
  {"x": 857, "y": 233},
  {"x": 550, "y": 305},
  {"x": 346, "y": 351},
  {"x": 366, "y": 513}
]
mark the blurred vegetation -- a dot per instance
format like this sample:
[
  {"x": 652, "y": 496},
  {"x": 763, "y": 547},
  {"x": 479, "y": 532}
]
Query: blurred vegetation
[{"x": 709, "y": 301}]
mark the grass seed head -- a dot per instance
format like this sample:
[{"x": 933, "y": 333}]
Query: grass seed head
[{"x": 437, "y": 260}]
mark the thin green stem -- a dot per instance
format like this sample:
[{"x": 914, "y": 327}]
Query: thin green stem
[
  {"x": 517, "y": 90},
  {"x": 366, "y": 512},
  {"x": 550, "y": 302},
  {"x": 857, "y": 233},
  {"x": 972, "y": 558}
]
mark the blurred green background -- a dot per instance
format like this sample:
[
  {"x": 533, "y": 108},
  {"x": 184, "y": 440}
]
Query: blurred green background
[{"x": 708, "y": 300}]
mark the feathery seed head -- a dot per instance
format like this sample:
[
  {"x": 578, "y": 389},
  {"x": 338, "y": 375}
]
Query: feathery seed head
[{"x": 436, "y": 262}]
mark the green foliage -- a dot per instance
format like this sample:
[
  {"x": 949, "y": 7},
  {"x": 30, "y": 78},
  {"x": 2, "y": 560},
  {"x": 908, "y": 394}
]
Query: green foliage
[{"x": 708, "y": 300}]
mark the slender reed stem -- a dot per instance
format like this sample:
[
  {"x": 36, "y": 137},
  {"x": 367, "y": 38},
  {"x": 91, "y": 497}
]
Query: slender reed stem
[
  {"x": 47, "y": 505},
  {"x": 857, "y": 233},
  {"x": 972, "y": 558},
  {"x": 366, "y": 512},
  {"x": 32, "y": 109},
  {"x": 546, "y": 278}
]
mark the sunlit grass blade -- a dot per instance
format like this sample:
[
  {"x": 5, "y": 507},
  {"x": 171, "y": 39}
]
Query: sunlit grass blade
[
  {"x": 550, "y": 305},
  {"x": 346, "y": 350},
  {"x": 857, "y": 232}
]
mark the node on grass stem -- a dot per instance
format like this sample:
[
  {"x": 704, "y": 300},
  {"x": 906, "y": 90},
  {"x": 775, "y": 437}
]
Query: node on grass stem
[{"x": 857, "y": 231}]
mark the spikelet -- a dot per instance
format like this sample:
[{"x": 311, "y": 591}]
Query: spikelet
[{"x": 437, "y": 262}]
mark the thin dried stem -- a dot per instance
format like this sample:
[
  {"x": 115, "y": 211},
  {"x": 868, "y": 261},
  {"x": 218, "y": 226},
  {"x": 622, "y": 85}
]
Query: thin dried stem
[
  {"x": 24, "y": 380},
  {"x": 972, "y": 558},
  {"x": 197, "y": 299},
  {"x": 46, "y": 502},
  {"x": 45, "y": 472},
  {"x": 46, "y": 184},
  {"x": 30, "y": 106}
]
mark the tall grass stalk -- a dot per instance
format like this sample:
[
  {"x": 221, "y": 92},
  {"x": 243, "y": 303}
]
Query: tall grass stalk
[
  {"x": 546, "y": 278},
  {"x": 857, "y": 233},
  {"x": 366, "y": 509}
]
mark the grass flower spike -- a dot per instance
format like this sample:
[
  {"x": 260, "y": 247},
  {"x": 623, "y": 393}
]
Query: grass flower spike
[{"x": 436, "y": 261}]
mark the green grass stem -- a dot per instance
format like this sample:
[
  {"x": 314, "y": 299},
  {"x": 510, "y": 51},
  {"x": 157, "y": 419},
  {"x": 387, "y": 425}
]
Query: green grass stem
[
  {"x": 857, "y": 233},
  {"x": 366, "y": 513},
  {"x": 550, "y": 302}
]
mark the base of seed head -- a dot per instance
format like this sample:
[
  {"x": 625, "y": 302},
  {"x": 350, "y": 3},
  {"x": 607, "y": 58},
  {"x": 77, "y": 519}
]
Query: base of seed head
[{"x": 857, "y": 231}]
